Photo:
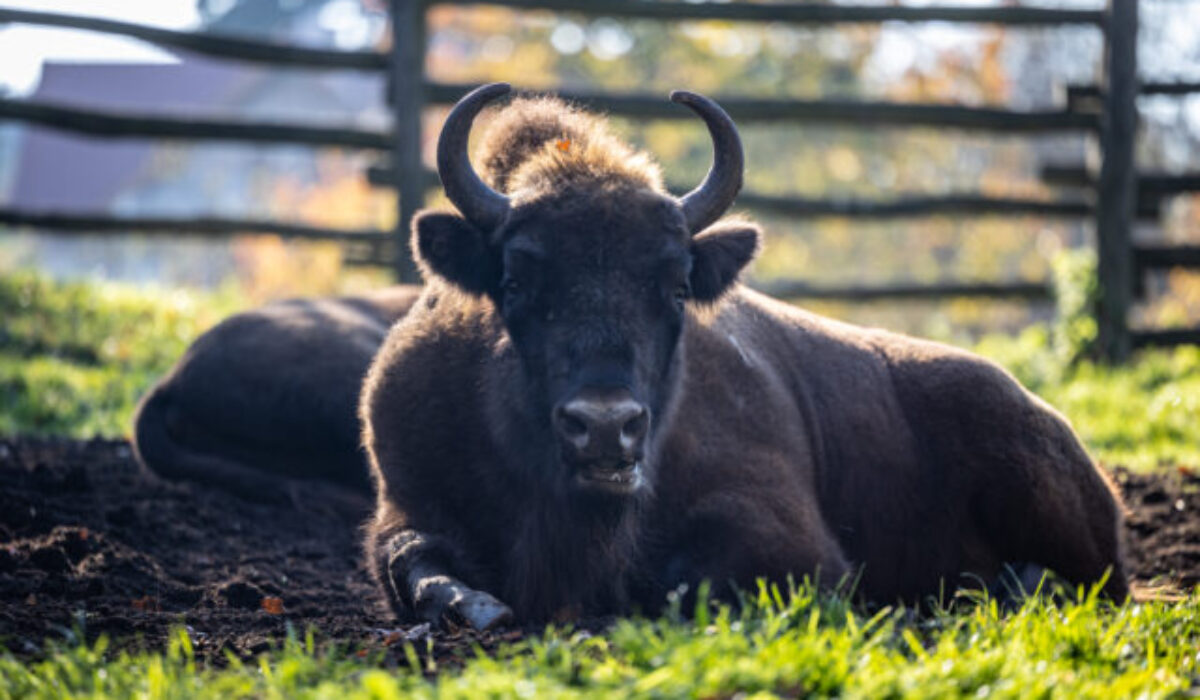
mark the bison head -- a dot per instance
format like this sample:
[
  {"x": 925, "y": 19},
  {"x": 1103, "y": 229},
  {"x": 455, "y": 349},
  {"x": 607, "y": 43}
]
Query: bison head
[{"x": 593, "y": 278}]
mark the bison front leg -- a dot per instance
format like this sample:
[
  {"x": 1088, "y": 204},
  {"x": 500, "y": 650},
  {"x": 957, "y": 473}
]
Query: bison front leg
[{"x": 415, "y": 570}]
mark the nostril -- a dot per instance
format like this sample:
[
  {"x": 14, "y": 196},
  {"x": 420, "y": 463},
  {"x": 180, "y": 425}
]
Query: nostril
[
  {"x": 635, "y": 427},
  {"x": 570, "y": 426}
]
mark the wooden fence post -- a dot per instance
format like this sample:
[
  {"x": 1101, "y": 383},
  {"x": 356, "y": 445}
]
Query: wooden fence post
[
  {"x": 408, "y": 101},
  {"x": 1117, "y": 188}
]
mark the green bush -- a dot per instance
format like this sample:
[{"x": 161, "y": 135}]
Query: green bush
[{"x": 1075, "y": 293}]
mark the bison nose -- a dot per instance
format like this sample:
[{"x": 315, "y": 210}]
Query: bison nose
[{"x": 603, "y": 426}]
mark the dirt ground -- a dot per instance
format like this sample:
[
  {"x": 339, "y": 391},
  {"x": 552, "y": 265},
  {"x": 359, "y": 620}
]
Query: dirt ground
[{"x": 88, "y": 543}]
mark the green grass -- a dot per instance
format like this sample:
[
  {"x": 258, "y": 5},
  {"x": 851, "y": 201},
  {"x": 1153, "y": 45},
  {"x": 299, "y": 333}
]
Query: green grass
[
  {"x": 798, "y": 645},
  {"x": 75, "y": 357}
]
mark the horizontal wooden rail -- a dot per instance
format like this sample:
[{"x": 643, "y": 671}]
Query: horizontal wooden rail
[
  {"x": 208, "y": 44},
  {"x": 1152, "y": 187},
  {"x": 1092, "y": 92},
  {"x": 94, "y": 122},
  {"x": 1162, "y": 184},
  {"x": 382, "y": 174},
  {"x": 791, "y": 289},
  {"x": 903, "y": 206},
  {"x": 1148, "y": 257},
  {"x": 1066, "y": 175},
  {"x": 917, "y": 205},
  {"x": 849, "y": 112},
  {"x": 1165, "y": 337},
  {"x": 169, "y": 226},
  {"x": 802, "y": 13},
  {"x": 259, "y": 51},
  {"x": 1148, "y": 183}
]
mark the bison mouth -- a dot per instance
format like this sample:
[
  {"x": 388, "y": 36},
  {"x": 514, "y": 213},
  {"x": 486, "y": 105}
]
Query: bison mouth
[{"x": 619, "y": 478}]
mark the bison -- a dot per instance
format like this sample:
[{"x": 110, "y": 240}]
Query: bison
[
  {"x": 270, "y": 395},
  {"x": 585, "y": 410}
]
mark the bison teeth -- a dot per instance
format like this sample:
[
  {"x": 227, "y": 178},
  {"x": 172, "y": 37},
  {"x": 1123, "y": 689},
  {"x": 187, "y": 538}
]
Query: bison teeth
[{"x": 619, "y": 475}]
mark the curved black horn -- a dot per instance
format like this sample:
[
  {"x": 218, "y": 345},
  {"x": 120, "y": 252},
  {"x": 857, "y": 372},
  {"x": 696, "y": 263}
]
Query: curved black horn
[
  {"x": 480, "y": 204},
  {"x": 708, "y": 202}
]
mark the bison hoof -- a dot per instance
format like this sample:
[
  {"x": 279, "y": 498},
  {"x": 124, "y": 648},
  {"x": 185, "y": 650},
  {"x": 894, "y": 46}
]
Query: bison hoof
[
  {"x": 481, "y": 611},
  {"x": 442, "y": 600}
]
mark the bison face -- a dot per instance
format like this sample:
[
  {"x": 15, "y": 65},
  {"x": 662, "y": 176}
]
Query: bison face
[
  {"x": 592, "y": 275},
  {"x": 593, "y": 288}
]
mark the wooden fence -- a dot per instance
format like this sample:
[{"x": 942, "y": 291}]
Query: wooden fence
[{"x": 1119, "y": 193}]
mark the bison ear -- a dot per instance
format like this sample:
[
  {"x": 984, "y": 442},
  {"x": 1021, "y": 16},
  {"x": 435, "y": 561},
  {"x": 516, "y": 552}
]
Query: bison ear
[
  {"x": 719, "y": 253},
  {"x": 448, "y": 246}
]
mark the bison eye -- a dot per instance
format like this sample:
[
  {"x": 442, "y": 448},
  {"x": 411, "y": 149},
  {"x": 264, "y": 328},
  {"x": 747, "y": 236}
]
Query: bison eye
[{"x": 681, "y": 294}]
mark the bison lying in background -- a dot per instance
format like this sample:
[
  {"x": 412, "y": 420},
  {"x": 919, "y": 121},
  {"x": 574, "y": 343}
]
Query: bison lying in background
[
  {"x": 268, "y": 395},
  {"x": 584, "y": 409}
]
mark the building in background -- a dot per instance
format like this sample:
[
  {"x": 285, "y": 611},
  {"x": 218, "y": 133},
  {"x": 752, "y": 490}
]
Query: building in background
[{"x": 45, "y": 170}]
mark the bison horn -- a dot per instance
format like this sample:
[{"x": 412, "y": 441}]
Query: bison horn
[
  {"x": 713, "y": 197},
  {"x": 480, "y": 204}
]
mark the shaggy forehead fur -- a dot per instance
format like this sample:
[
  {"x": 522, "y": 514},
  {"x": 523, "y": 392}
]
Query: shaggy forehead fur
[{"x": 541, "y": 144}]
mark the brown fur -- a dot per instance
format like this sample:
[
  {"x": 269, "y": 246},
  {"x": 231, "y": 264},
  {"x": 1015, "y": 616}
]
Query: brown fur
[
  {"x": 543, "y": 144},
  {"x": 269, "y": 395},
  {"x": 784, "y": 444}
]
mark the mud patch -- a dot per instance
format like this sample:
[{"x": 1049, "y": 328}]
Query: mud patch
[
  {"x": 1163, "y": 526},
  {"x": 87, "y": 543}
]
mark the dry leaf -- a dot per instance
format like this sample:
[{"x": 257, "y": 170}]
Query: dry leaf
[
  {"x": 272, "y": 605},
  {"x": 145, "y": 604},
  {"x": 393, "y": 637},
  {"x": 563, "y": 144}
]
